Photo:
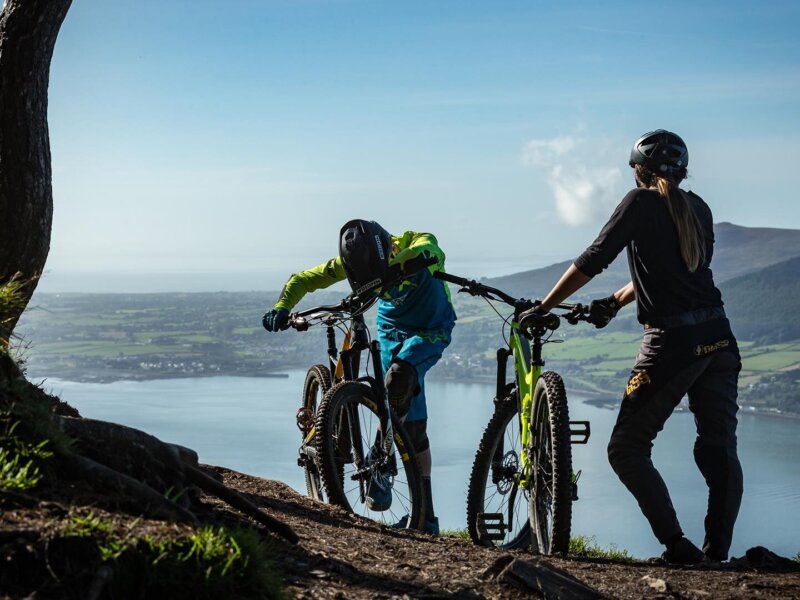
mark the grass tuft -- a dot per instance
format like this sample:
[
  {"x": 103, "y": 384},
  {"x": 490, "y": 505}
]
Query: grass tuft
[
  {"x": 206, "y": 563},
  {"x": 586, "y": 546},
  {"x": 19, "y": 458},
  {"x": 456, "y": 533}
]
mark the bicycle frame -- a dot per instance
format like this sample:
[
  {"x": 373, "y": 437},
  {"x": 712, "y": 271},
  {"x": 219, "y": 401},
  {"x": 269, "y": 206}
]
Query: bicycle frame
[
  {"x": 527, "y": 374},
  {"x": 344, "y": 365}
]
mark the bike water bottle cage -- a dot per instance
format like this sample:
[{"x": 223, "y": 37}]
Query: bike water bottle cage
[
  {"x": 364, "y": 247},
  {"x": 660, "y": 151}
]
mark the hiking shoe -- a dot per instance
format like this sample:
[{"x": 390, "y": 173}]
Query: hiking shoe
[
  {"x": 379, "y": 492},
  {"x": 431, "y": 526},
  {"x": 401, "y": 524},
  {"x": 683, "y": 552},
  {"x": 379, "y": 485}
]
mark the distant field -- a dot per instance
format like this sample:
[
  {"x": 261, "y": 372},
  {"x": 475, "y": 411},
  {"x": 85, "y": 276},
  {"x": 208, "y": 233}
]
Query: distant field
[{"x": 122, "y": 336}]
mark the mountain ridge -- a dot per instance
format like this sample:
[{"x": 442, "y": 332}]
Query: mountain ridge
[{"x": 738, "y": 250}]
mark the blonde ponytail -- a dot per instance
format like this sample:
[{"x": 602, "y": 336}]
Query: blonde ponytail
[{"x": 690, "y": 234}]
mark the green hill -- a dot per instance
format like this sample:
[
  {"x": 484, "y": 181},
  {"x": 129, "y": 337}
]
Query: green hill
[
  {"x": 762, "y": 305},
  {"x": 737, "y": 251}
]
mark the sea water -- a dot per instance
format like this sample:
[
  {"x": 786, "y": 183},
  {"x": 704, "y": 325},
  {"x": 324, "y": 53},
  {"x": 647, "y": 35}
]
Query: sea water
[{"x": 248, "y": 424}]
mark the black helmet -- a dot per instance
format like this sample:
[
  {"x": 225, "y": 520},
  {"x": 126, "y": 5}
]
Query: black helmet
[
  {"x": 364, "y": 248},
  {"x": 660, "y": 151}
]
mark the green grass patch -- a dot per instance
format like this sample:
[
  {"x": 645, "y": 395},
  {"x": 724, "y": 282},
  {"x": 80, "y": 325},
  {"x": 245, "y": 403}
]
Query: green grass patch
[
  {"x": 207, "y": 563},
  {"x": 586, "y": 546},
  {"x": 20, "y": 458},
  {"x": 605, "y": 346},
  {"x": 773, "y": 360},
  {"x": 456, "y": 533}
]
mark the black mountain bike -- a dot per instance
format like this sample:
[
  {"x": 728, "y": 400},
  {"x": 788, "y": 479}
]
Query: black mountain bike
[
  {"x": 522, "y": 484},
  {"x": 350, "y": 432}
]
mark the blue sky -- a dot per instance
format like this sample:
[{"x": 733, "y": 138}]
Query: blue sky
[{"x": 220, "y": 145}]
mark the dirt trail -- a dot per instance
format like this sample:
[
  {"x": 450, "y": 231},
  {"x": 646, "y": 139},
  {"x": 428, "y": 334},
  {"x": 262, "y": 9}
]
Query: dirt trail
[{"x": 344, "y": 556}]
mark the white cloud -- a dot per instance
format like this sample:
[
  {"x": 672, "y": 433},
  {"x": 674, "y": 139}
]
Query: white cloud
[
  {"x": 543, "y": 153},
  {"x": 583, "y": 195}
]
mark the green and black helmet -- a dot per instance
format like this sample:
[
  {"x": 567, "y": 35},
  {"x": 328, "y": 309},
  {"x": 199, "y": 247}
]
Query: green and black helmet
[
  {"x": 364, "y": 247},
  {"x": 660, "y": 151}
]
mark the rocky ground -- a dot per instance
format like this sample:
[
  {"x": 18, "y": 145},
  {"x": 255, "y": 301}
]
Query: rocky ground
[
  {"x": 340, "y": 555},
  {"x": 344, "y": 556}
]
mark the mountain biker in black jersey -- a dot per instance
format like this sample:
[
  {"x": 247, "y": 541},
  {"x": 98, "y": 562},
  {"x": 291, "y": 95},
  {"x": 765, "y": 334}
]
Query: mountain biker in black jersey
[
  {"x": 688, "y": 346},
  {"x": 415, "y": 319}
]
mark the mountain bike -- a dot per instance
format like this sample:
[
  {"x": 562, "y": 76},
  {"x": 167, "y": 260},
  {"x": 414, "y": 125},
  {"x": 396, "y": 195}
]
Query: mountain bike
[
  {"x": 351, "y": 434},
  {"x": 522, "y": 486}
]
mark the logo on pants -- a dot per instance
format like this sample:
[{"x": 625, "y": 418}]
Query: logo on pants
[{"x": 636, "y": 381}]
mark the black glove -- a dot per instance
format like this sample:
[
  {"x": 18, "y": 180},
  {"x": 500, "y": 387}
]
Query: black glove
[
  {"x": 524, "y": 318},
  {"x": 602, "y": 311},
  {"x": 276, "y": 319}
]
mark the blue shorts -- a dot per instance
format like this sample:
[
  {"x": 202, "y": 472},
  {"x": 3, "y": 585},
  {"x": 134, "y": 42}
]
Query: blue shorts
[{"x": 420, "y": 350}]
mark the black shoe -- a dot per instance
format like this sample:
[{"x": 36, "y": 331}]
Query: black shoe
[{"x": 683, "y": 552}]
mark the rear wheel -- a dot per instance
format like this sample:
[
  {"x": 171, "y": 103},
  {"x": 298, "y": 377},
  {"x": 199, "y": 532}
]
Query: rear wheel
[
  {"x": 317, "y": 383},
  {"x": 497, "y": 509},
  {"x": 347, "y": 426},
  {"x": 550, "y": 504}
]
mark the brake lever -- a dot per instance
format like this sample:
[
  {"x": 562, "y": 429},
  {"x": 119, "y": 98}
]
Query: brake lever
[
  {"x": 299, "y": 324},
  {"x": 577, "y": 314}
]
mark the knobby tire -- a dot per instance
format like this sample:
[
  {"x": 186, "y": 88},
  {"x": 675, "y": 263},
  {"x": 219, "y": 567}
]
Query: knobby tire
[
  {"x": 483, "y": 494},
  {"x": 550, "y": 504},
  {"x": 336, "y": 461},
  {"x": 317, "y": 383}
]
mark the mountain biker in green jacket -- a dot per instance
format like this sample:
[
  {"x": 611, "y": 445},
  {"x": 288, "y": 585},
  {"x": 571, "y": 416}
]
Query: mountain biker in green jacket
[{"x": 415, "y": 320}]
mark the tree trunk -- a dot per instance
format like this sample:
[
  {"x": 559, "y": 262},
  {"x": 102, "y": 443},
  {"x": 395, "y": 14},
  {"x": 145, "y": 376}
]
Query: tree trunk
[{"x": 28, "y": 31}]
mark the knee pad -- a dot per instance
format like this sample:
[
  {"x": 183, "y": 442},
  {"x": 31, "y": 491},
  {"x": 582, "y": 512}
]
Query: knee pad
[
  {"x": 418, "y": 432},
  {"x": 401, "y": 386}
]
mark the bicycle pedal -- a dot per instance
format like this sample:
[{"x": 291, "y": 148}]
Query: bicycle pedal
[
  {"x": 491, "y": 526},
  {"x": 579, "y": 432}
]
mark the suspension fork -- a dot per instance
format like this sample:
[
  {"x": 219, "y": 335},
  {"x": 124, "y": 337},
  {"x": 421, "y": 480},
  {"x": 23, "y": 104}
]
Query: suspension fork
[
  {"x": 500, "y": 394},
  {"x": 528, "y": 366},
  {"x": 382, "y": 397},
  {"x": 349, "y": 360}
]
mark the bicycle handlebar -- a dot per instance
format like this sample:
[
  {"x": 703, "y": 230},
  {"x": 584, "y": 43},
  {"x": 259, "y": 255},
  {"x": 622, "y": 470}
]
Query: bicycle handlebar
[
  {"x": 577, "y": 312},
  {"x": 361, "y": 302}
]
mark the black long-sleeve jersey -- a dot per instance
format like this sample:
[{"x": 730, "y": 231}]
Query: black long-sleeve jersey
[{"x": 664, "y": 286}]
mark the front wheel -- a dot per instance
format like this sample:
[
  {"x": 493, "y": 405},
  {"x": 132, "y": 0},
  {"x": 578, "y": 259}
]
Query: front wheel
[
  {"x": 550, "y": 503},
  {"x": 347, "y": 427},
  {"x": 317, "y": 383},
  {"x": 497, "y": 508}
]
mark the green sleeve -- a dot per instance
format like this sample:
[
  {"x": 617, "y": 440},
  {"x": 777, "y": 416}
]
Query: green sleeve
[
  {"x": 316, "y": 278},
  {"x": 412, "y": 244}
]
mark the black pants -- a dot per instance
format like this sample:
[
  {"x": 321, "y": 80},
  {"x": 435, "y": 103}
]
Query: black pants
[{"x": 662, "y": 375}]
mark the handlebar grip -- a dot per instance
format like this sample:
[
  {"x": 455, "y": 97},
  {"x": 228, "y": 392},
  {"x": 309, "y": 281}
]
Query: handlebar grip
[
  {"x": 451, "y": 278},
  {"x": 418, "y": 263}
]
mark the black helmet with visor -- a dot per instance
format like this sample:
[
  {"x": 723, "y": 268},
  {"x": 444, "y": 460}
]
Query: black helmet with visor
[{"x": 364, "y": 247}]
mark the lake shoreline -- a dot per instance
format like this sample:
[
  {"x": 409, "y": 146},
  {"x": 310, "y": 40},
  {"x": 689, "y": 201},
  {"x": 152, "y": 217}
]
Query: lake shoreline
[{"x": 597, "y": 399}]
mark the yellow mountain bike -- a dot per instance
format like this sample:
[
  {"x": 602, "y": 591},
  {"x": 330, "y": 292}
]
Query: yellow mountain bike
[
  {"x": 351, "y": 435},
  {"x": 522, "y": 485}
]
